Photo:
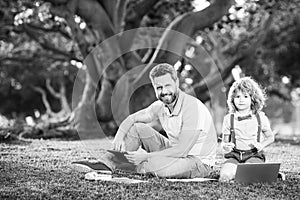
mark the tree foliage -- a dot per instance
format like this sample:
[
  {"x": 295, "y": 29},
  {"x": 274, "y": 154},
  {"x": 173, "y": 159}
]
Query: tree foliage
[{"x": 45, "y": 43}]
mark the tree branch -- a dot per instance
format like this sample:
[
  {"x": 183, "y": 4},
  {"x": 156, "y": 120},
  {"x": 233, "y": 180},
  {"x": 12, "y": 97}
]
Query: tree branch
[
  {"x": 240, "y": 56},
  {"x": 119, "y": 15},
  {"x": 51, "y": 89},
  {"x": 63, "y": 98},
  {"x": 17, "y": 59},
  {"x": 137, "y": 12},
  {"x": 46, "y": 44},
  {"x": 57, "y": 2},
  {"x": 186, "y": 24},
  {"x": 44, "y": 99},
  {"x": 54, "y": 29},
  {"x": 111, "y": 7},
  {"x": 133, "y": 19}
]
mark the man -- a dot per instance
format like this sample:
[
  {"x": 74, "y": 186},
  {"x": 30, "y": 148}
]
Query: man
[{"x": 190, "y": 148}]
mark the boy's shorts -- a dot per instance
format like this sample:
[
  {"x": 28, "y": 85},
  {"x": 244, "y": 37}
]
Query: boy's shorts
[{"x": 242, "y": 156}]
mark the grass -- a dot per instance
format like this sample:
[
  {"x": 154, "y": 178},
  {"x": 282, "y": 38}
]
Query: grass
[{"x": 41, "y": 170}]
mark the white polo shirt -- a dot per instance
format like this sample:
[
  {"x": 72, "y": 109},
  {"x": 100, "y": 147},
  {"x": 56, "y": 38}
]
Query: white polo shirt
[{"x": 189, "y": 114}]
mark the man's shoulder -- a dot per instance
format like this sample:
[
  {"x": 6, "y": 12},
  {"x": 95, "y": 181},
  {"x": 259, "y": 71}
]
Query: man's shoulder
[
  {"x": 192, "y": 104},
  {"x": 156, "y": 105},
  {"x": 191, "y": 100}
]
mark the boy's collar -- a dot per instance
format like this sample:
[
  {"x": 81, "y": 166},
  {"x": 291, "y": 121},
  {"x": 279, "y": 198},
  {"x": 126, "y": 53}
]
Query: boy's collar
[{"x": 240, "y": 118}]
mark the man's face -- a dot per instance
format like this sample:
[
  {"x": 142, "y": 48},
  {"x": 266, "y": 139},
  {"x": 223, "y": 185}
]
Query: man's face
[{"x": 166, "y": 89}]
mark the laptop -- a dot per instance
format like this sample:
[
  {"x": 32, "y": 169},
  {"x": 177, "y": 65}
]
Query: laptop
[
  {"x": 121, "y": 161},
  {"x": 257, "y": 172}
]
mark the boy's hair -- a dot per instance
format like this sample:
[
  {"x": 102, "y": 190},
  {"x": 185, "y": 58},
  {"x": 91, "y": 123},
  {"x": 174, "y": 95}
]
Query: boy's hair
[
  {"x": 162, "y": 69},
  {"x": 247, "y": 85}
]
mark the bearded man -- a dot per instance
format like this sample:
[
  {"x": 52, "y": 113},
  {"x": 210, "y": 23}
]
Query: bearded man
[{"x": 189, "y": 149}]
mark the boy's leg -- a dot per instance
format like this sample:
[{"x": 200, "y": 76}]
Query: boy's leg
[
  {"x": 188, "y": 167},
  {"x": 228, "y": 170},
  {"x": 254, "y": 160}
]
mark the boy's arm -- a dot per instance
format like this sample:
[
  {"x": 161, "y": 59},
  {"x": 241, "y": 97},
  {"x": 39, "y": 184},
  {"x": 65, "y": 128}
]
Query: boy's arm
[
  {"x": 267, "y": 132},
  {"x": 269, "y": 139},
  {"x": 225, "y": 143}
]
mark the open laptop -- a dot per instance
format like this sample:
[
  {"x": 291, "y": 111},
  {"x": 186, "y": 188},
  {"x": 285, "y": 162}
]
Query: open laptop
[
  {"x": 121, "y": 161},
  {"x": 257, "y": 172},
  {"x": 119, "y": 156}
]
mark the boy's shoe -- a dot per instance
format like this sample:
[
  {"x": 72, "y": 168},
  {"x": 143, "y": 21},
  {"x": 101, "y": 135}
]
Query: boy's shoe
[
  {"x": 86, "y": 166},
  {"x": 281, "y": 176}
]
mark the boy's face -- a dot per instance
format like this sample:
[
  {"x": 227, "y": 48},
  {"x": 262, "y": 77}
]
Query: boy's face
[
  {"x": 166, "y": 89},
  {"x": 242, "y": 101}
]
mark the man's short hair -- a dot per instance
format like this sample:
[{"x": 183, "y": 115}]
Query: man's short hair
[{"x": 163, "y": 69}]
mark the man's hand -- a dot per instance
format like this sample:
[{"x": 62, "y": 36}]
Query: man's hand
[
  {"x": 227, "y": 146},
  {"x": 136, "y": 157},
  {"x": 118, "y": 144}
]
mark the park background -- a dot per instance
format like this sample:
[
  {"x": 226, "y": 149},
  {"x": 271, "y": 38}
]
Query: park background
[
  {"x": 62, "y": 62},
  {"x": 73, "y": 69}
]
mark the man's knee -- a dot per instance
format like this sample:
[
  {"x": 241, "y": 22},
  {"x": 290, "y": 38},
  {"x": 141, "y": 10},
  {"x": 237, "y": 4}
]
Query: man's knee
[
  {"x": 140, "y": 126},
  {"x": 138, "y": 129},
  {"x": 154, "y": 165}
]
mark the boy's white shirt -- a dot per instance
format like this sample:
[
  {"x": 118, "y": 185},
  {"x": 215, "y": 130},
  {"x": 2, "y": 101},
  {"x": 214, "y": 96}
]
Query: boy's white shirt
[{"x": 246, "y": 130}]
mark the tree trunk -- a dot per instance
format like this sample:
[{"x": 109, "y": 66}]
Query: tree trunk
[{"x": 102, "y": 65}]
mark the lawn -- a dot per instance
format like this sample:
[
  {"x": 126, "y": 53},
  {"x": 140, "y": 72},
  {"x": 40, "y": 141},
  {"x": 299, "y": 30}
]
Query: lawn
[{"x": 40, "y": 169}]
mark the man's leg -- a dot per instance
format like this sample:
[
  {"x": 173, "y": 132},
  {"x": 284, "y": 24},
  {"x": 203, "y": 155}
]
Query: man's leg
[
  {"x": 140, "y": 134},
  {"x": 145, "y": 136},
  {"x": 188, "y": 167}
]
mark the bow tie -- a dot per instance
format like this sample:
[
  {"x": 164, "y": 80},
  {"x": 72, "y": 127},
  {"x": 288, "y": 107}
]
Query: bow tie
[{"x": 240, "y": 118}]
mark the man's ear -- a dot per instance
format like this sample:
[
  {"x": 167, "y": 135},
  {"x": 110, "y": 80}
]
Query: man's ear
[{"x": 177, "y": 82}]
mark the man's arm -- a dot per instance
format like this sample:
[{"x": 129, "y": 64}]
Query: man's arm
[
  {"x": 193, "y": 124},
  {"x": 142, "y": 116},
  {"x": 187, "y": 140}
]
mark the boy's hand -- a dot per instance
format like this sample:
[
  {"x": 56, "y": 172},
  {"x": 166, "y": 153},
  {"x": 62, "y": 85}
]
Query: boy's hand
[
  {"x": 257, "y": 145},
  {"x": 227, "y": 146}
]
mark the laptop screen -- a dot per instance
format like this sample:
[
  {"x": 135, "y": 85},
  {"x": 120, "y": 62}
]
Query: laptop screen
[{"x": 257, "y": 172}]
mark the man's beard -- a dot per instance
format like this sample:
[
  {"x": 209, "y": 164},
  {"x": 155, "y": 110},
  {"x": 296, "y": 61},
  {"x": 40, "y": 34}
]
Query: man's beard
[{"x": 168, "y": 98}]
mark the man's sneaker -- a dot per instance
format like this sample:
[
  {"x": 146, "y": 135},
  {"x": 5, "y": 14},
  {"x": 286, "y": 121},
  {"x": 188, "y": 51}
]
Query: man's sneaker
[{"x": 86, "y": 166}]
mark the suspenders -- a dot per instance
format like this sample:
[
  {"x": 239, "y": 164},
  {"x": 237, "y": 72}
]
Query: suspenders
[{"x": 232, "y": 133}]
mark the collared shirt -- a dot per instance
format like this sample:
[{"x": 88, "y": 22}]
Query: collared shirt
[
  {"x": 246, "y": 130},
  {"x": 189, "y": 114}
]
